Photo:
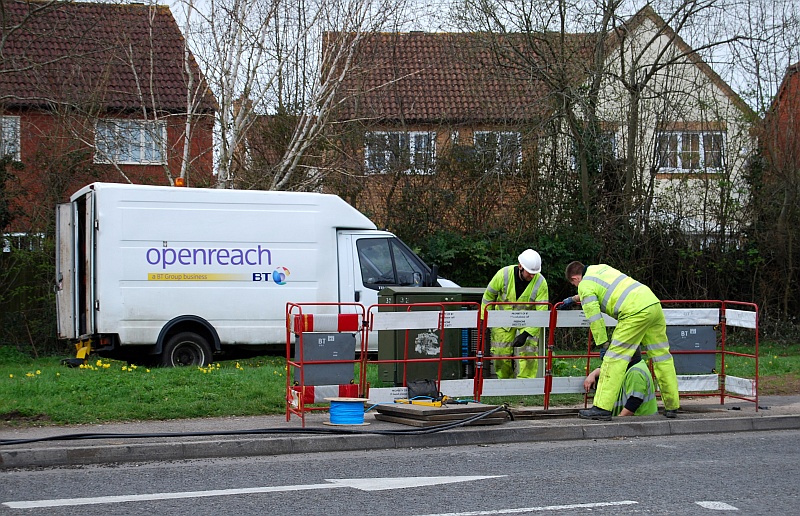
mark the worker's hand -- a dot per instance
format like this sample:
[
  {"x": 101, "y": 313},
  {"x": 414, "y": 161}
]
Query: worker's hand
[
  {"x": 591, "y": 380},
  {"x": 568, "y": 302},
  {"x": 521, "y": 339},
  {"x": 603, "y": 348}
]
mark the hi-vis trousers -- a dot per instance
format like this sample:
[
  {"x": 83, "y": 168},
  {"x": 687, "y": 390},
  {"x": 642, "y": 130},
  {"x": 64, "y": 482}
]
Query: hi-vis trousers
[{"x": 649, "y": 329}]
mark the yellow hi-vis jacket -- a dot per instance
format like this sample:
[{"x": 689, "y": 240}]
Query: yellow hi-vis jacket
[
  {"x": 502, "y": 288},
  {"x": 605, "y": 289}
]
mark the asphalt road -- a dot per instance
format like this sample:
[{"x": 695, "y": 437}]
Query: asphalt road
[{"x": 749, "y": 473}]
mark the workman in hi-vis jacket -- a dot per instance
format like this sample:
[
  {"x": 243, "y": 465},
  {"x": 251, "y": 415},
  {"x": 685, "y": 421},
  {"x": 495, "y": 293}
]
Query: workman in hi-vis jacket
[
  {"x": 637, "y": 397},
  {"x": 640, "y": 320},
  {"x": 517, "y": 283}
]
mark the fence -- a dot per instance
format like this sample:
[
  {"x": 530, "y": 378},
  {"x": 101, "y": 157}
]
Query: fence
[{"x": 688, "y": 323}]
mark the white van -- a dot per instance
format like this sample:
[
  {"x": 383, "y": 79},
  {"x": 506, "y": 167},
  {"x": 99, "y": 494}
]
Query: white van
[{"x": 174, "y": 275}]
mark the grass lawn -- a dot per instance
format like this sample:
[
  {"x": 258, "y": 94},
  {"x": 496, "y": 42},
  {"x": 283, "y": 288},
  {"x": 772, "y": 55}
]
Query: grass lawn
[{"x": 43, "y": 391}]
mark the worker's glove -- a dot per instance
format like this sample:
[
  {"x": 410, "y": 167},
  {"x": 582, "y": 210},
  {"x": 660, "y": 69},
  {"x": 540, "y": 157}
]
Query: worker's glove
[
  {"x": 521, "y": 339},
  {"x": 566, "y": 303},
  {"x": 603, "y": 349}
]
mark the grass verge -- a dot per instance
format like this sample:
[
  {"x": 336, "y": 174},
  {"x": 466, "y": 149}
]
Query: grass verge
[{"x": 43, "y": 391}]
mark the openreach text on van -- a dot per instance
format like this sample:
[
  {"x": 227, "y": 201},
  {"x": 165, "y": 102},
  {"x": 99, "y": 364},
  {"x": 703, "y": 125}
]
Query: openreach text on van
[{"x": 167, "y": 256}]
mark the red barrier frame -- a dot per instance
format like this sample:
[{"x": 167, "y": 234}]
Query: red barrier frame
[
  {"x": 442, "y": 306},
  {"x": 484, "y": 357},
  {"x": 295, "y": 311}
]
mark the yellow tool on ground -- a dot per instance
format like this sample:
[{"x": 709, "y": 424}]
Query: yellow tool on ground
[{"x": 429, "y": 402}]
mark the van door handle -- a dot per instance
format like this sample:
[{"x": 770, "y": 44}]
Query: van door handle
[{"x": 357, "y": 296}]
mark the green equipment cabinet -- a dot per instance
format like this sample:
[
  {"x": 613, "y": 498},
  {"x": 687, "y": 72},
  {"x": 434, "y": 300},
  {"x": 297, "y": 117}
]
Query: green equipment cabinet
[{"x": 456, "y": 342}]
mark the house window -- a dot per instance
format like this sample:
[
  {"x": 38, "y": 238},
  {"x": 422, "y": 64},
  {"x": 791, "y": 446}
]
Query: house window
[
  {"x": 9, "y": 136},
  {"x": 498, "y": 151},
  {"x": 690, "y": 150},
  {"x": 412, "y": 152},
  {"x": 130, "y": 142}
]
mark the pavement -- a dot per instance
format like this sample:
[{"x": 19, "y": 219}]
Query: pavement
[{"x": 145, "y": 441}]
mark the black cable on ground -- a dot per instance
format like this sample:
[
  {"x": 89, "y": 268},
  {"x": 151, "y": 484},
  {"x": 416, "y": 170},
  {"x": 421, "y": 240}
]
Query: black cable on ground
[{"x": 267, "y": 431}]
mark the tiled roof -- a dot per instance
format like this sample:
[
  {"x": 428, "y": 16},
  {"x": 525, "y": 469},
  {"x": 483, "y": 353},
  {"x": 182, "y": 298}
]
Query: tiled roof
[
  {"x": 94, "y": 55},
  {"x": 420, "y": 77}
]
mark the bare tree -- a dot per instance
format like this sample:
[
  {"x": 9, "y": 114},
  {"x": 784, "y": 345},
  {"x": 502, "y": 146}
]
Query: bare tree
[
  {"x": 612, "y": 77},
  {"x": 264, "y": 57}
]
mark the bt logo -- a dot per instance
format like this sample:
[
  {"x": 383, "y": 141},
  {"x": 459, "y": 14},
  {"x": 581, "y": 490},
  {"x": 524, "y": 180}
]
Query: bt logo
[{"x": 278, "y": 276}]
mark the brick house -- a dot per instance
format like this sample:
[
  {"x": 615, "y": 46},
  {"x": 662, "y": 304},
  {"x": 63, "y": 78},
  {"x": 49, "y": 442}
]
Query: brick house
[
  {"x": 418, "y": 101},
  {"x": 781, "y": 136},
  {"x": 97, "y": 92}
]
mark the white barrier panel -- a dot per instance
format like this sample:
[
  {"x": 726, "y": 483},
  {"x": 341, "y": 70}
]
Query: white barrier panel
[
  {"x": 698, "y": 383},
  {"x": 691, "y": 316},
  {"x": 461, "y": 319},
  {"x": 387, "y": 394},
  {"x": 515, "y": 387},
  {"x": 517, "y": 319},
  {"x": 452, "y": 388},
  {"x": 576, "y": 319},
  {"x": 405, "y": 320},
  {"x": 424, "y": 320},
  {"x": 567, "y": 385},
  {"x": 740, "y": 318},
  {"x": 561, "y": 385},
  {"x": 743, "y": 386}
]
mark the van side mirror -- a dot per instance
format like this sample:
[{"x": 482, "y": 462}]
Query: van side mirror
[{"x": 433, "y": 277}]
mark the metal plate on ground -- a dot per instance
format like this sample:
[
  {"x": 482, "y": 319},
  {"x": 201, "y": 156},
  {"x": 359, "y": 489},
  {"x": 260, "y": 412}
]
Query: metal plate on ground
[{"x": 423, "y": 415}]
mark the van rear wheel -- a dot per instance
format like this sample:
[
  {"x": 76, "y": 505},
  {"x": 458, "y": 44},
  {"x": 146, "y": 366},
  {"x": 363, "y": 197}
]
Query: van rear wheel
[{"x": 186, "y": 349}]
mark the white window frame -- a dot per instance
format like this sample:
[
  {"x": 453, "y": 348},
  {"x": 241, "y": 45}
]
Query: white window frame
[
  {"x": 417, "y": 151},
  {"x": 690, "y": 151},
  {"x": 500, "y": 139},
  {"x": 9, "y": 137},
  {"x": 130, "y": 141}
]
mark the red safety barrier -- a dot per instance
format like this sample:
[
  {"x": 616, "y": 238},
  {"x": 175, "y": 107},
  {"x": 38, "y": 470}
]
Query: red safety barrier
[
  {"x": 311, "y": 394},
  {"x": 327, "y": 323},
  {"x": 694, "y": 314},
  {"x": 433, "y": 320},
  {"x": 300, "y": 325}
]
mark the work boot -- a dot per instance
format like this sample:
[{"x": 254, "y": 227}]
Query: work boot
[
  {"x": 671, "y": 414},
  {"x": 595, "y": 413}
]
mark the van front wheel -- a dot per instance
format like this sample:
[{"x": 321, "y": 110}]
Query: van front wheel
[{"x": 186, "y": 349}]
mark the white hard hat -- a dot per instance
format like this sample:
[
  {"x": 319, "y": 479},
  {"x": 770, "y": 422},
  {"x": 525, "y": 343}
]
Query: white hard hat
[{"x": 530, "y": 261}]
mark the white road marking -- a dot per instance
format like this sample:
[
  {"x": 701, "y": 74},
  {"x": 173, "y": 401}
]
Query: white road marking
[
  {"x": 717, "y": 506},
  {"x": 364, "y": 484},
  {"x": 537, "y": 509}
]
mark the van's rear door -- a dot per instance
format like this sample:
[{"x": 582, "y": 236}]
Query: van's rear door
[{"x": 65, "y": 272}]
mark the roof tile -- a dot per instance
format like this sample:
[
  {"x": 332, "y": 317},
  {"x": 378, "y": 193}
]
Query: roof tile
[{"x": 94, "y": 54}]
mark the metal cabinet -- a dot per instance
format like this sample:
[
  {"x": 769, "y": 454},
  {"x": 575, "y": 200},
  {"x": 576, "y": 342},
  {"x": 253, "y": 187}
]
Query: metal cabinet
[{"x": 426, "y": 343}]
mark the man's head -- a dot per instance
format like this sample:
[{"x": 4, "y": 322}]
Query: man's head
[
  {"x": 530, "y": 263},
  {"x": 574, "y": 272}
]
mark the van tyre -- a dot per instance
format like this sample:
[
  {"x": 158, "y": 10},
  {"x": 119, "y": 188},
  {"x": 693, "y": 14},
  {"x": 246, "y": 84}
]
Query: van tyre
[{"x": 186, "y": 349}]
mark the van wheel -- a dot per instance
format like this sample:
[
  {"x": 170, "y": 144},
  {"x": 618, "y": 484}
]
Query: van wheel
[{"x": 186, "y": 349}]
